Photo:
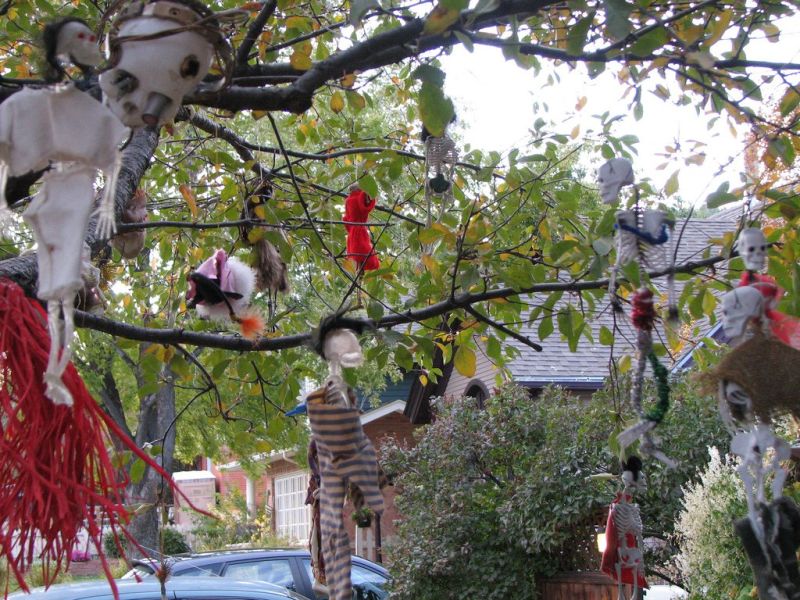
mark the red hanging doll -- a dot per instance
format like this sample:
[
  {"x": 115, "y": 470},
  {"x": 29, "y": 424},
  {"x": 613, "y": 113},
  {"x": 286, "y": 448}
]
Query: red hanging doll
[{"x": 357, "y": 207}]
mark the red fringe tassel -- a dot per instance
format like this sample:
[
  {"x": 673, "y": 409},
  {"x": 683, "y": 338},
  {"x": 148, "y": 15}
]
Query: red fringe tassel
[{"x": 56, "y": 473}]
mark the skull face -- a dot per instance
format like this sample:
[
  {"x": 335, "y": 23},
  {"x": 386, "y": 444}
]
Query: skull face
[
  {"x": 78, "y": 43},
  {"x": 735, "y": 404},
  {"x": 341, "y": 349},
  {"x": 752, "y": 247},
  {"x": 739, "y": 306},
  {"x": 151, "y": 75},
  {"x": 613, "y": 175}
]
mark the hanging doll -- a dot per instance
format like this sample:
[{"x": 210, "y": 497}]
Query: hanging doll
[
  {"x": 623, "y": 558},
  {"x": 757, "y": 381},
  {"x": 346, "y": 456},
  {"x": 221, "y": 289},
  {"x": 642, "y": 235},
  {"x": 76, "y": 136},
  {"x": 160, "y": 51},
  {"x": 441, "y": 156},
  {"x": 357, "y": 207},
  {"x": 271, "y": 273},
  {"x": 131, "y": 243}
]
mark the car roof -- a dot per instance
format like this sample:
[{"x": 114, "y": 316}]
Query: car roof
[
  {"x": 101, "y": 589},
  {"x": 208, "y": 558}
]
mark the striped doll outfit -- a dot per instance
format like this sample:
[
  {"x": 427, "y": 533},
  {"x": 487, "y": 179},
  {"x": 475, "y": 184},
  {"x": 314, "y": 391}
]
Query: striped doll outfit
[{"x": 346, "y": 456}]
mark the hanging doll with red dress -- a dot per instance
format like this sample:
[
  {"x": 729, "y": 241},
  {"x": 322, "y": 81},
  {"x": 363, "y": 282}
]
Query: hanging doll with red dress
[{"x": 623, "y": 558}]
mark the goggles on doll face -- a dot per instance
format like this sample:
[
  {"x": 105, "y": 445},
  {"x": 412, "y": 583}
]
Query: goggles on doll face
[{"x": 189, "y": 16}]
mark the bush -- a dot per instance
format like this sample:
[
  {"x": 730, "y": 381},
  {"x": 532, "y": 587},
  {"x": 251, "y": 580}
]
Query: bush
[
  {"x": 174, "y": 542},
  {"x": 110, "y": 548},
  {"x": 494, "y": 499},
  {"x": 712, "y": 560}
]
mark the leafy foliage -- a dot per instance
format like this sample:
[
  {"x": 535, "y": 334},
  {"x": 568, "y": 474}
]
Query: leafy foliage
[{"x": 494, "y": 499}]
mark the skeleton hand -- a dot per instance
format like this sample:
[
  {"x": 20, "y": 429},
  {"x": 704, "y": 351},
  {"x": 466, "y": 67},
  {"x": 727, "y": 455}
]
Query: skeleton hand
[{"x": 106, "y": 221}]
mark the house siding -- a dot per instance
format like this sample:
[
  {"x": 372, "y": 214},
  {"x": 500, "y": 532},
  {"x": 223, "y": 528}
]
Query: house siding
[{"x": 485, "y": 371}]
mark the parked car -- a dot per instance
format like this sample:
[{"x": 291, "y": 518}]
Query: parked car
[
  {"x": 289, "y": 568},
  {"x": 187, "y": 588}
]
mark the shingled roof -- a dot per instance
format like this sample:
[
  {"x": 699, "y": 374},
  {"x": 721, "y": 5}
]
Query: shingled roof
[{"x": 588, "y": 366}]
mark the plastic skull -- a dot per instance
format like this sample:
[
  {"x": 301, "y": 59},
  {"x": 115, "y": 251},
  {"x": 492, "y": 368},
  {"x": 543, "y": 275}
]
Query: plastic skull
[
  {"x": 612, "y": 176},
  {"x": 739, "y": 306},
  {"x": 752, "y": 247},
  {"x": 341, "y": 349},
  {"x": 158, "y": 57}
]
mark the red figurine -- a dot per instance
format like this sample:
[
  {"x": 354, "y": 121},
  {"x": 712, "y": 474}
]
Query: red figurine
[{"x": 357, "y": 207}]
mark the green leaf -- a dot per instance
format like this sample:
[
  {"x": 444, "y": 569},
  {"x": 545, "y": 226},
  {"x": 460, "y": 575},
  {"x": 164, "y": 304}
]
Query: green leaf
[
  {"x": 137, "y": 470},
  {"x": 603, "y": 245},
  {"x": 606, "y": 337},
  {"x": 617, "y": 18},
  {"x": 465, "y": 40},
  {"x": 790, "y": 101},
  {"x": 672, "y": 184},
  {"x": 429, "y": 74},
  {"x": 720, "y": 197},
  {"x": 369, "y": 185},
  {"x": 545, "y": 327},
  {"x": 649, "y": 42},
  {"x": 464, "y": 361},
  {"x": 358, "y": 8},
  {"x": 435, "y": 109},
  {"x": 576, "y": 37}
]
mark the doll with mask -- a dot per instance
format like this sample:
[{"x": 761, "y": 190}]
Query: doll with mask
[{"x": 73, "y": 136}]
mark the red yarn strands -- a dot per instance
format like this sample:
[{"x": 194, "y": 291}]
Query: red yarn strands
[
  {"x": 56, "y": 474},
  {"x": 644, "y": 311}
]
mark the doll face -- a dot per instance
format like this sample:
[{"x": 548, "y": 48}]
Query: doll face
[
  {"x": 752, "y": 247},
  {"x": 151, "y": 76},
  {"x": 79, "y": 43},
  {"x": 739, "y": 306},
  {"x": 341, "y": 347},
  {"x": 613, "y": 175}
]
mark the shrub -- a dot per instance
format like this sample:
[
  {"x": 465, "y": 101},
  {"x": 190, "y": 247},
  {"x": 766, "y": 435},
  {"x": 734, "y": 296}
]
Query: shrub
[
  {"x": 493, "y": 499},
  {"x": 712, "y": 560},
  {"x": 174, "y": 542}
]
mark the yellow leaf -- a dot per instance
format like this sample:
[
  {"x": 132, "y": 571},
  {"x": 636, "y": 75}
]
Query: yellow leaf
[
  {"x": 296, "y": 22},
  {"x": 260, "y": 211},
  {"x": 581, "y": 103},
  {"x": 423, "y": 379},
  {"x": 440, "y": 19},
  {"x": 300, "y": 61},
  {"x": 772, "y": 31},
  {"x": 126, "y": 301},
  {"x": 464, "y": 361},
  {"x": 188, "y": 196},
  {"x": 348, "y": 80},
  {"x": 337, "y": 102},
  {"x": 258, "y": 114},
  {"x": 430, "y": 263},
  {"x": 718, "y": 27},
  {"x": 575, "y": 132}
]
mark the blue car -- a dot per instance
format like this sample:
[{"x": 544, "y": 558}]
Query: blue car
[
  {"x": 189, "y": 588},
  {"x": 290, "y": 568}
]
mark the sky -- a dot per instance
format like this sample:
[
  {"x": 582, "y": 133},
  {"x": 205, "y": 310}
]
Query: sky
[{"x": 495, "y": 101}]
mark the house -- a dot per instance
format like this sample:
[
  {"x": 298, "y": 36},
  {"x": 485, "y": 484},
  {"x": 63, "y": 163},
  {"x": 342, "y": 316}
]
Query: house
[{"x": 405, "y": 405}]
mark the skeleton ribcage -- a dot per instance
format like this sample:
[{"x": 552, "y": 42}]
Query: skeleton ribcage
[
  {"x": 627, "y": 520},
  {"x": 440, "y": 159}
]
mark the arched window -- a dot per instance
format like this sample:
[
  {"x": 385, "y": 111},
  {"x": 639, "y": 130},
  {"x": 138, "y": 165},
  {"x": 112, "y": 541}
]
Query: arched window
[{"x": 476, "y": 389}]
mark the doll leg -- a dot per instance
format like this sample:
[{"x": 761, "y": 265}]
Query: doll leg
[{"x": 55, "y": 388}]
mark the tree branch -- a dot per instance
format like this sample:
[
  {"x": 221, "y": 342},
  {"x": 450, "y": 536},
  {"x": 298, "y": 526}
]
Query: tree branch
[
  {"x": 460, "y": 301},
  {"x": 255, "y": 29}
]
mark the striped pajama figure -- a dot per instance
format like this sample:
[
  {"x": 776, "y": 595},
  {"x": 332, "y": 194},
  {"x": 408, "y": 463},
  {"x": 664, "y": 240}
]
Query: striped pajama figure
[{"x": 345, "y": 456}]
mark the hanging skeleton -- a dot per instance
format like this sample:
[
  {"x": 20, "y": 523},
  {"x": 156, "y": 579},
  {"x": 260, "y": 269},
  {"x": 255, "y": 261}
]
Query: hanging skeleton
[
  {"x": 642, "y": 235},
  {"x": 755, "y": 382},
  {"x": 441, "y": 156},
  {"x": 67, "y": 130},
  {"x": 160, "y": 51},
  {"x": 623, "y": 558},
  {"x": 643, "y": 317},
  {"x": 221, "y": 289},
  {"x": 346, "y": 456},
  {"x": 271, "y": 273}
]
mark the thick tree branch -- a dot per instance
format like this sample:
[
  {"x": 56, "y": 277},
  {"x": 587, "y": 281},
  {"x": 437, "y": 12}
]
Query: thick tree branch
[{"x": 460, "y": 301}]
